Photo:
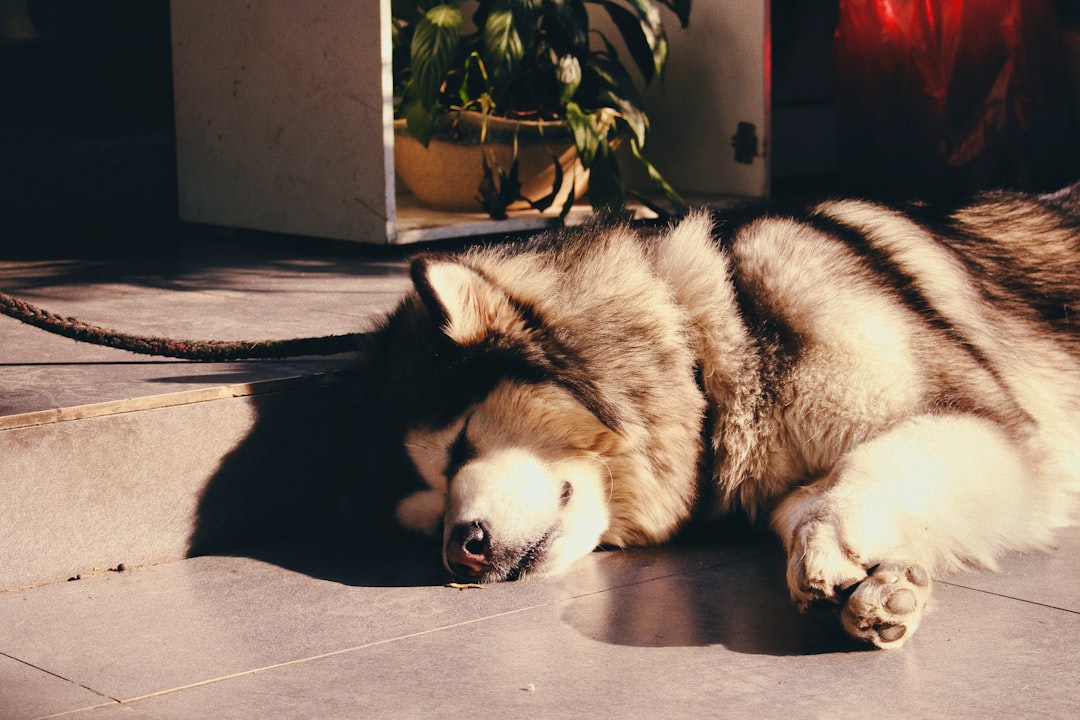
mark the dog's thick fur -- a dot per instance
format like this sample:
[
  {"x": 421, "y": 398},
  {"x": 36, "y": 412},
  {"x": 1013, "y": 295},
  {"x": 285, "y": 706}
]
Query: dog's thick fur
[{"x": 896, "y": 392}]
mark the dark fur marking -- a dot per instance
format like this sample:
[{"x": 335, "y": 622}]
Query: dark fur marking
[
  {"x": 777, "y": 342},
  {"x": 461, "y": 451},
  {"x": 1010, "y": 280},
  {"x": 902, "y": 284},
  {"x": 767, "y": 326},
  {"x": 905, "y": 287},
  {"x": 536, "y": 355}
]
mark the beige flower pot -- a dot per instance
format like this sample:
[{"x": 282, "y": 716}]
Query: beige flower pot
[{"x": 447, "y": 174}]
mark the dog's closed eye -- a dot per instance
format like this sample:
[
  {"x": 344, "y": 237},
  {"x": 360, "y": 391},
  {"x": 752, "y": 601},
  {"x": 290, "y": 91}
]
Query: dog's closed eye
[{"x": 567, "y": 493}]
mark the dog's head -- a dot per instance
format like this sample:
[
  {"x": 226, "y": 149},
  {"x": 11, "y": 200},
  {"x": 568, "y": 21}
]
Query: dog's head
[
  {"x": 546, "y": 411},
  {"x": 518, "y": 484}
]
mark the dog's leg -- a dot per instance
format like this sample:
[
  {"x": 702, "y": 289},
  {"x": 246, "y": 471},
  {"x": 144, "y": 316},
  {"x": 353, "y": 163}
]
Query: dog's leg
[{"x": 933, "y": 493}]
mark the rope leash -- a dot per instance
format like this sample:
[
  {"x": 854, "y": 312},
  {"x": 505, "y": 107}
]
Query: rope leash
[{"x": 196, "y": 350}]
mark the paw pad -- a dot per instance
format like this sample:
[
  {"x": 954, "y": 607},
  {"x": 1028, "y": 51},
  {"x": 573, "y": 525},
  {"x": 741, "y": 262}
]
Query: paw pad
[
  {"x": 891, "y": 633},
  {"x": 917, "y": 575},
  {"x": 901, "y": 602},
  {"x": 886, "y": 607}
]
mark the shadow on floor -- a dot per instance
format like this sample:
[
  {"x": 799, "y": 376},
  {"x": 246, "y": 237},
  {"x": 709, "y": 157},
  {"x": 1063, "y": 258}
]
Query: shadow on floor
[
  {"x": 742, "y": 606},
  {"x": 302, "y": 472},
  {"x": 290, "y": 475}
]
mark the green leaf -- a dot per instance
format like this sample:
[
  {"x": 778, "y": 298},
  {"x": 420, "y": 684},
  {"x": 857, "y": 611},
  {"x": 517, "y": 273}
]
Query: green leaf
[
  {"x": 606, "y": 191},
  {"x": 503, "y": 48},
  {"x": 419, "y": 119},
  {"x": 567, "y": 22},
  {"x": 545, "y": 202},
  {"x": 434, "y": 45},
  {"x": 634, "y": 117},
  {"x": 615, "y": 89},
  {"x": 587, "y": 137},
  {"x": 496, "y": 196},
  {"x": 526, "y": 16},
  {"x": 603, "y": 69},
  {"x": 489, "y": 197},
  {"x": 681, "y": 8},
  {"x": 658, "y": 180},
  {"x": 645, "y": 41},
  {"x": 643, "y": 35},
  {"x": 475, "y": 87},
  {"x": 569, "y": 75},
  {"x": 569, "y": 202}
]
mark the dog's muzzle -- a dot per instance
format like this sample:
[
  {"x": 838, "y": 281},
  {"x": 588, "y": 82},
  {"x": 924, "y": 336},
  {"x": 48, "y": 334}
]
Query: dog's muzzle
[
  {"x": 468, "y": 550},
  {"x": 473, "y": 554}
]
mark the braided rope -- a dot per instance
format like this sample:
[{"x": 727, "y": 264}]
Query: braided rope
[{"x": 197, "y": 350}]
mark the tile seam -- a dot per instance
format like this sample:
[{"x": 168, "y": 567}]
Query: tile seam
[{"x": 167, "y": 400}]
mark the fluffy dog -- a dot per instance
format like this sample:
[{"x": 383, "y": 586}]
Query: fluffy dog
[{"x": 895, "y": 391}]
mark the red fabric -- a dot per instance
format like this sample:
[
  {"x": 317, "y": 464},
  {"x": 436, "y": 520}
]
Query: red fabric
[{"x": 953, "y": 93}]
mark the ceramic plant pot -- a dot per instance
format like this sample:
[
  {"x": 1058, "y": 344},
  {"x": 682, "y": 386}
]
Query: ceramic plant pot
[{"x": 447, "y": 174}]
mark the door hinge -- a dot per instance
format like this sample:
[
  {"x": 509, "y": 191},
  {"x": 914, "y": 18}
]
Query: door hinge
[{"x": 745, "y": 142}]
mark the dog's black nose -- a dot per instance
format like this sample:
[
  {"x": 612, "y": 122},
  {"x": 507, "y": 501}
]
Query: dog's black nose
[{"x": 468, "y": 550}]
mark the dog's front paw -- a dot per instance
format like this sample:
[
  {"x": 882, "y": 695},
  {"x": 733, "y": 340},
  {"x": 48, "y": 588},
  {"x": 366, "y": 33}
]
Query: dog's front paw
[
  {"x": 821, "y": 569},
  {"x": 886, "y": 607}
]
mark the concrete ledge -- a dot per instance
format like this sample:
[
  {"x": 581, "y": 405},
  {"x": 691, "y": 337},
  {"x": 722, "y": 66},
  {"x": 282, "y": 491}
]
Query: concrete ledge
[{"x": 165, "y": 477}]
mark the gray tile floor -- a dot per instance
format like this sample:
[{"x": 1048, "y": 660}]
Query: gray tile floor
[
  {"x": 205, "y": 288},
  {"x": 312, "y": 629}
]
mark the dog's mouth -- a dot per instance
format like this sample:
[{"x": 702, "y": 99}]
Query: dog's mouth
[
  {"x": 530, "y": 557},
  {"x": 471, "y": 555}
]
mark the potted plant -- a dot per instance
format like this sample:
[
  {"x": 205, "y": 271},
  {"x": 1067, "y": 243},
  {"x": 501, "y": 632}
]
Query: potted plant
[{"x": 538, "y": 62}]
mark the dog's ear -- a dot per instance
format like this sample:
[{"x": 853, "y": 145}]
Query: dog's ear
[{"x": 467, "y": 306}]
